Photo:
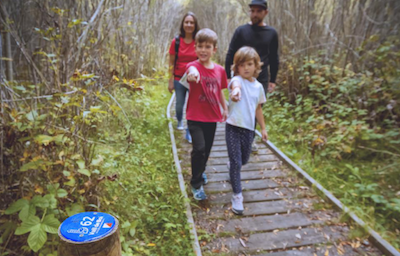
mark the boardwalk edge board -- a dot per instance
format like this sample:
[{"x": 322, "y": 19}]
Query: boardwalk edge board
[
  {"x": 189, "y": 215},
  {"x": 375, "y": 238}
]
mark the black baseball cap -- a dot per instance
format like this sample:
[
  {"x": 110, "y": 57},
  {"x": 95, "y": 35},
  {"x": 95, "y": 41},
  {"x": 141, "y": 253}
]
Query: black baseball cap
[{"x": 262, "y": 3}]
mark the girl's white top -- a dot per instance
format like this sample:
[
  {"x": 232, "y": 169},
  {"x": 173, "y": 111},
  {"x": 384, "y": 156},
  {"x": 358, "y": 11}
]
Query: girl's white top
[{"x": 243, "y": 113}]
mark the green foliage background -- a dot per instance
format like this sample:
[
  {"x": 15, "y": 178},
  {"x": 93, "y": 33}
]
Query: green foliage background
[{"x": 343, "y": 127}]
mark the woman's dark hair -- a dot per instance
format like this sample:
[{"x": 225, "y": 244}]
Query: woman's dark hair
[{"x": 196, "y": 25}]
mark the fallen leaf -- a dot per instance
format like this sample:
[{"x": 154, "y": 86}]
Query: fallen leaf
[
  {"x": 326, "y": 253},
  {"x": 242, "y": 242},
  {"x": 298, "y": 236},
  {"x": 38, "y": 189}
]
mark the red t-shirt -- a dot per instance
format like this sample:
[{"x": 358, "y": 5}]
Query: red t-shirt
[
  {"x": 186, "y": 54},
  {"x": 204, "y": 97}
]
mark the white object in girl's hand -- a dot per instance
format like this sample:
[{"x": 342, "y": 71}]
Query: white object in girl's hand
[{"x": 236, "y": 94}]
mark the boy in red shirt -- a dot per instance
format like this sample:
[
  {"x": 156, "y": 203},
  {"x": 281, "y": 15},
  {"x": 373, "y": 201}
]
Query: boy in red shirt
[{"x": 203, "y": 111}]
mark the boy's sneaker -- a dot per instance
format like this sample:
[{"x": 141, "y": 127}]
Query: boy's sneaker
[
  {"x": 205, "y": 180},
  {"x": 188, "y": 137},
  {"x": 199, "y": 194},
  {"x": 180, "y": 125},
  {"x": 237, "y": 204},
  {"x": 254, "y": 147}
]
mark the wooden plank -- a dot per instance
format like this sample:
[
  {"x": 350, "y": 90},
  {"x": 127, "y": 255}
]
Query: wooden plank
[
  {"x": 286, "y": 239},
  {"x": 219, "y": 136},
  {"x": 223, "y": 142},
  {"x": 216, "y": 187},
  {"x": 224, "y": 153},
  {"x": 250, "y": 175},
  {"x": 247, "y": 167},
  {"x": 258, "y": 208},
  {"x": 219, "y": 142},
  {"x": 253, "y": 159},
  {"x": 255, "y": 196},
  {"x": 266, "y": 223},
  {"x": 216, "y": 148},
  {"x": 323, "y": 250}
]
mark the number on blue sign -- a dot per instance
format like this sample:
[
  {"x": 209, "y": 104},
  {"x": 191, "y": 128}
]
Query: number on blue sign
[{"x": 87, "y": 221}]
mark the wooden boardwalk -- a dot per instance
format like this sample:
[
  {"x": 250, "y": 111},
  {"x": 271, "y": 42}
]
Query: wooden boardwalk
[{"x": 282, "y": 217}]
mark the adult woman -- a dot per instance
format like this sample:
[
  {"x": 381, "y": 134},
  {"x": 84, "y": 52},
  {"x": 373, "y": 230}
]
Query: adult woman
[{"x": 178, "y": 61}]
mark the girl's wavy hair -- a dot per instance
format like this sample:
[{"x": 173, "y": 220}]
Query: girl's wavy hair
[
  {"x": 196, "y": 25},
  {"x": 244, "y": 54}
]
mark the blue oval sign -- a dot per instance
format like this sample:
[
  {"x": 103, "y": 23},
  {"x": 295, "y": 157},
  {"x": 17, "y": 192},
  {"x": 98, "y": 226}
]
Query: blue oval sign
[{"x": 87, "y": 226}]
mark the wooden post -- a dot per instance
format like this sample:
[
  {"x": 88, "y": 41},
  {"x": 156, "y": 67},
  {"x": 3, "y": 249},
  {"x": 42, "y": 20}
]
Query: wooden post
[{"x": 89, "y": 234}]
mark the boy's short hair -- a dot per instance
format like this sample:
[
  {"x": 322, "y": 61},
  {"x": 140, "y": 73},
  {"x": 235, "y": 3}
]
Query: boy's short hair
[
  {"x": 206, "y": 35},
  {"x": 246, "y": 53}
]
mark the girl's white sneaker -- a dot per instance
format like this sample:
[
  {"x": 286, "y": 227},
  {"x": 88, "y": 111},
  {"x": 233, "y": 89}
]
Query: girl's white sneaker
[{"x": 237, "y": 204}]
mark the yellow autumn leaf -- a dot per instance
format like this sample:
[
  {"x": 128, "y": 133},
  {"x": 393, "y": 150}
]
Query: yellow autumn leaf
[
  {"x": 151, "y": 244},
  {"x": 116, "y": 78},
  {"x": 326, "y": 253},
  {"x": 39, "y": 189}
]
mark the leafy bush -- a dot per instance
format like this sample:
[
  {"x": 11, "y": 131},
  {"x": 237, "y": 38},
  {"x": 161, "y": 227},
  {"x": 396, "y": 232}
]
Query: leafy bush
[
  {"x": 50, "y": 162},
  {"x": 343, "y": 127},
  {"x": 117, "y": 160}
]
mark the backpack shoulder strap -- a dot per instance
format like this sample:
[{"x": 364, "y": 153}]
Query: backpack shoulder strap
[{"x": 177, "y": 43}]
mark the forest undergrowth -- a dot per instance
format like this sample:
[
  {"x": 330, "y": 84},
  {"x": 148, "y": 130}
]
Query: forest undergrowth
[
  {"x": 343, "y": 128},
  {"x": 115, "y": 158},
  {"x": 147, "y": 195}
]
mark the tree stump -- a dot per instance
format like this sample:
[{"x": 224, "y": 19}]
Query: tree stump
[{"x": 89, "y": 234}]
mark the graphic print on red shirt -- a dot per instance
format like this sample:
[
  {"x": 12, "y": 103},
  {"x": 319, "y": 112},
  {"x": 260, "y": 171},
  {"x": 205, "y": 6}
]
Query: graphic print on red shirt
[{"x": 204, "y": 97}]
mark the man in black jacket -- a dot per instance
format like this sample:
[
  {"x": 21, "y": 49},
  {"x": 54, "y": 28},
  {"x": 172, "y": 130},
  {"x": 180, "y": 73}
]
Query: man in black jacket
[
  {"x": 264, "y": 39},
  {"x": 261, "y": 37}
]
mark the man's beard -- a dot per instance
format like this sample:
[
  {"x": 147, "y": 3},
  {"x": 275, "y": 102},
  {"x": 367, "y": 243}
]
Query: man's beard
[{"x": 256, "y": 21}]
